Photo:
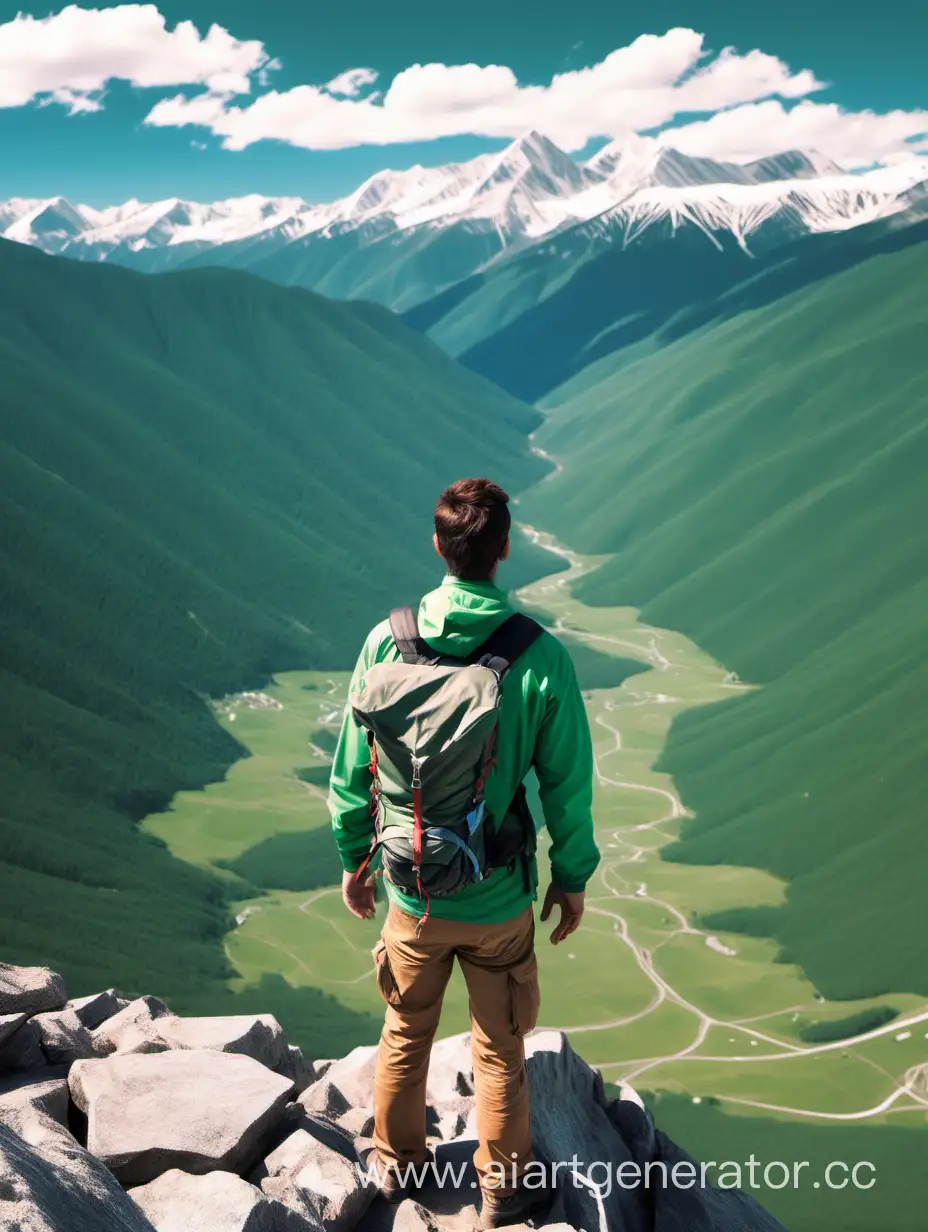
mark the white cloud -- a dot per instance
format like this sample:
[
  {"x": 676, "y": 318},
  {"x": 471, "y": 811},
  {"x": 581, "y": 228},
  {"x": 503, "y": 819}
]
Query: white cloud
[
  {"x": 69, "y": 57},
  {"x": 640, "y": 86},
  {"x": 352, "y": 82},
  {"x": 852, "y": 139}
]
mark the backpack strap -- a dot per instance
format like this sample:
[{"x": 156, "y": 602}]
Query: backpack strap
[
  {"x": 504, "y": 645},
  {"x": 404, "y": 626}
]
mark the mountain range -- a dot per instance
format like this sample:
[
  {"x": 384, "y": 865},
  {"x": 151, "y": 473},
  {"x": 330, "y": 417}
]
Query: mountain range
[{"x": 404, "y": 237}]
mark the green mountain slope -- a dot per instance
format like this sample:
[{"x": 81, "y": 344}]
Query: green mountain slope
[
  {"x": 204, "y": 478},
  {"x": 761, "y": 483},
  {"x": 537, "y": 320}
]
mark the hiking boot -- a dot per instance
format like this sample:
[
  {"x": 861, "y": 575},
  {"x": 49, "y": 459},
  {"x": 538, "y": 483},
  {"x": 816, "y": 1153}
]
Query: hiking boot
[
  {"x": 500, "y": 1210},
  {"x": 390, "y": 1186}
]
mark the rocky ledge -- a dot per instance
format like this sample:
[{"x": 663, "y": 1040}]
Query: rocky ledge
[{"x": 119, "y": 1116}]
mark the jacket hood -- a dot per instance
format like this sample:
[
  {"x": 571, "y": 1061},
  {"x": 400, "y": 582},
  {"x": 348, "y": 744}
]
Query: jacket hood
[{"x": 457, "y": 617}]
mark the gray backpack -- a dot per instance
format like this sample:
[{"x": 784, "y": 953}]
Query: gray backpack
[{"x": 431, "y": 723}]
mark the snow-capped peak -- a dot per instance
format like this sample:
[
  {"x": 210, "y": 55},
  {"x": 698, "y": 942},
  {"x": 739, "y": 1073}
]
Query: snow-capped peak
[{"x": 518, "y": 195}]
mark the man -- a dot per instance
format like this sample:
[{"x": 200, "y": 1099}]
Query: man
[{"x": 487, "y": 925}]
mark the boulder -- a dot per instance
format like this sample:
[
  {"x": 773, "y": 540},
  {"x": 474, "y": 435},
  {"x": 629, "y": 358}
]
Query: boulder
[
  {"x": 23, "y": 1049},
  {"x": 9, "y": 1024},
  {"x": 320, "y": 1183},
  {"x": 64, "y": 1038},
  {"x": 251, "y": 1035},
  {"x": 37, "y": 1090},
  {"x": 411, "y": 1216},
  {"x": 324, "y": 1099},
  {"x": 196, "y": 1110},
  {"x": 147, "y": 1025},
  {"x": 570, "y": 1119},
  {"x": 297, "y": 1068},
  {"x": 701, "y": 1207},
  {"x": 131, "y": 1029},
  {"x": 216, "y": 1202},
  {"x": 357, "y": 1122},
  {"x": 353, "y": 1075},
  {"x": 50, "y": 1184},
  {"x": 30, "y": 990},
  {"x": 94, "y": 1010},
  {"x": 449, "y": 1092}
]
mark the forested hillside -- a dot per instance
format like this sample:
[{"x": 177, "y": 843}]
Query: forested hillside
[
  {"x": 761, "y": 481},
  {"x": 204, "y": 478}
]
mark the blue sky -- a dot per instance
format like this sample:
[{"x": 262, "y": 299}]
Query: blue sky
[{"x": 308, "y": 99}]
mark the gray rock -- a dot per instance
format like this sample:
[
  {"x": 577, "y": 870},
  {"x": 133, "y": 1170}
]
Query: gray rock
[
  {"x": 216, "y": 1202},
  {"x": 317, "y": 1181},
  {"x": 23, "y": 1049},
  {"x": 353, "y": 1075},
  {"x": 357, "y": 1122},
  {"x": 323, "y": 1067},
  {"x": 258, "y": 1036},
  {"x": 324, "y": 1099},
  {"x": 411, "y": 1216},
  {"x": 131, "y": 1029},
  {"x": 196, "y": 1110},
  {"x": 37, "y": 1090},
  {"x": 297, "y": 1068},
  {"x": 94, "y": 1010},
  {"x": 147, "y": 1025},
  {"x": 50, "y": 1184},
  {"x": 64, "y": 1038},
  {"x": 449, "y": 1092},
  {"x": 9, "y": 1024},
  {"x": 570, "y": 1118},
  {"x": 702, "y": 1208},
  {"x": 30, "y": 990}
]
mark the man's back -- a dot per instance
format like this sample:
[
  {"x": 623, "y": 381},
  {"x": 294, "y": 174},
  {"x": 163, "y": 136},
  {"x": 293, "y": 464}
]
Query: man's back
[{"x": 541, "y": 722}]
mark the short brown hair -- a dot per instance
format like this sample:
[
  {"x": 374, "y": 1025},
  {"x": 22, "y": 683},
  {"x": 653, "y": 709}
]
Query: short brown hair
[{"x": 472, "y": 523}]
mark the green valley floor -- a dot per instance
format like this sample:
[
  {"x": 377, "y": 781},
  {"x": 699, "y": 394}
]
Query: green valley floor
[{"x": 727, "y": 1041}]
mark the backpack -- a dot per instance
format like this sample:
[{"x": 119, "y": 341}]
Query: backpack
[{"x": 431, "y": 721}]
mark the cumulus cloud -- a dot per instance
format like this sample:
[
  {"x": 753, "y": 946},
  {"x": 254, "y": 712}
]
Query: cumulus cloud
[
  {"x": 641, "y": 86},
  {"x": 69, "y": 57},
  {"x": 852, "y": 139},
  {"x": 352, "y": 82},
  {"x": 755, "y": 104}
]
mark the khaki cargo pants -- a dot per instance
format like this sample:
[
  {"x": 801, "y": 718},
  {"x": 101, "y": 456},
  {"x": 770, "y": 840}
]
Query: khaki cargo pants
[{"x": 499, "y": 966}]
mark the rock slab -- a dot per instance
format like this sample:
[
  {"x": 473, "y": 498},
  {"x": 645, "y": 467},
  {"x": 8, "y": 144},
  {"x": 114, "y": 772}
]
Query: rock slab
[
  {"x": 216, "y": 1202},
  {"x": 37, "y": 1090},
  {"x": 30, "y": 990},
  {"x": 320, "y": 1183},
  {"x": 200, "y": 1111},
  {"x": 94, "y": 1010},
  {"x": 50, "y": 1184}
]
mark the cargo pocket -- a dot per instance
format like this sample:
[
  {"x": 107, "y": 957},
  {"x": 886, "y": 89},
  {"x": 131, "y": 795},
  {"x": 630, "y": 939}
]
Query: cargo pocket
[
  {"x": 386, "y": 984},
  {"x": 524, "y": 995}
]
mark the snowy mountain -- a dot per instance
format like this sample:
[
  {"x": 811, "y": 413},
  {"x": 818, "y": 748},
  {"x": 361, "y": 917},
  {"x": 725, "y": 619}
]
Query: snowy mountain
[{"x": 403, "y": 236}]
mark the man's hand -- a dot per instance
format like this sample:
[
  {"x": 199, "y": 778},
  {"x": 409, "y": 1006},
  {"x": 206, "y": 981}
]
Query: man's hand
[
  {"x": 358, "y": 894},
  {"x": 571, "y": 906}
]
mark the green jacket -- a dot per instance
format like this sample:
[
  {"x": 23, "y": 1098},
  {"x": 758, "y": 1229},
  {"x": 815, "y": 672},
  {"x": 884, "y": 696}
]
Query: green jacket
[{"x": 542, "y": 724}]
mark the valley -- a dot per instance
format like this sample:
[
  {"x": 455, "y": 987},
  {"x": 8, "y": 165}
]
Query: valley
[{"x": 711, "y": 1024}]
